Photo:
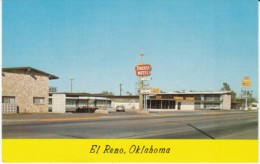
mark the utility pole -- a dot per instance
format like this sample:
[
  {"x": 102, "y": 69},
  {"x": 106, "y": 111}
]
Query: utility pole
[
  {"x": 71, "y": 84},
  {"x": 120, "y": 86}
]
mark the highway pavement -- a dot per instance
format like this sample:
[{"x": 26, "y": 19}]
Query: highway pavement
[{"x": 203, "y": 124}]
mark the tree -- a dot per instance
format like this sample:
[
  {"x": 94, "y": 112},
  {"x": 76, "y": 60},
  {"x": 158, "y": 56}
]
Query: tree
[
  {"x": 226, "y": 87},
  {"x": 107, "y": 93},
  {"x": 249, "y": 95},
  {"x": 129, "y": 93}
]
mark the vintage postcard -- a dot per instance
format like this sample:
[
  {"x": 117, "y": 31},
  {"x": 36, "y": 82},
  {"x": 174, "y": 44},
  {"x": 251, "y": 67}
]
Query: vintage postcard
[{"x": 129, "y": 81}]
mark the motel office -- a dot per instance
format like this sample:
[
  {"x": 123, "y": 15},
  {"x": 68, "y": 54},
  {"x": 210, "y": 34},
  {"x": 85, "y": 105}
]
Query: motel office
[{"x": 26, "y": 90}]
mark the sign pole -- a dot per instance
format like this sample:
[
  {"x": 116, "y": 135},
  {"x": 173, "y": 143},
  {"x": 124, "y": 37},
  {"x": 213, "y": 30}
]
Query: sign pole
[
  {"x": 142, "y": 70},
  {"x": 145, "y": 102},
  {"x": 141, "y": 95},
  {"x": 246, "y": 82},
  {"x": 246, "y": 100}
]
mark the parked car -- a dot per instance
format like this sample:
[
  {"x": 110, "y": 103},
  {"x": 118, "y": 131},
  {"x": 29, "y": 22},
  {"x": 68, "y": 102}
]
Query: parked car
[
  {"x": 120, "y": 108},
  {"x": 253, "y": 106}
]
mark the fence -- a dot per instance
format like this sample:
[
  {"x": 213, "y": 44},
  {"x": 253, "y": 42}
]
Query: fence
[{"x": 9, "y": 108}]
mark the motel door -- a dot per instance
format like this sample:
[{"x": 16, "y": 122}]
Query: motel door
[{"x": 179, "y": 105}]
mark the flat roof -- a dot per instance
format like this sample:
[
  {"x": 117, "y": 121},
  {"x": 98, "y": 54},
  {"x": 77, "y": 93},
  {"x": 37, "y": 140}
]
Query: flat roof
[
  {"x": 197, "y": 92},
  {"x": 78, "y": 94},
  {"x": 30, "y": 69},
  {"x": 124, "y": 96}
]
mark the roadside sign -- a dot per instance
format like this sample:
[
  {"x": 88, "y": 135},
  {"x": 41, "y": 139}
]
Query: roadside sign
[
  {"x": 156, "y": 90},
  {"x": 143, "y": 70},
  {"x": 142, "y": 73},
  {"x": 146, "y": 78},
  {"x": 146, "y": 91},
  {"x": 143, "y": 67},
  {"x": 246, "y": 82},
  {"x": 150, "y": 91}
]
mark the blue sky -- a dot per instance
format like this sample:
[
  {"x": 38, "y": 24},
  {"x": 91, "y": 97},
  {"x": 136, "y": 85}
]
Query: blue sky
[{"x": 191, "y": 45}]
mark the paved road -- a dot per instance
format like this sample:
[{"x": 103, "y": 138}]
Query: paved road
[{"x": 170, "y": 125}]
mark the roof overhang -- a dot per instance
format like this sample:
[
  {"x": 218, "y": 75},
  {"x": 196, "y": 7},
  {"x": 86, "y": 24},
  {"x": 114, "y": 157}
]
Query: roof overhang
[{"x": 28, "y": 69}]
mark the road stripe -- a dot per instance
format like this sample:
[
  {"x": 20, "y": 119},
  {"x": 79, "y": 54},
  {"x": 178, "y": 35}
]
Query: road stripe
[{"x": 68, "y": 119}]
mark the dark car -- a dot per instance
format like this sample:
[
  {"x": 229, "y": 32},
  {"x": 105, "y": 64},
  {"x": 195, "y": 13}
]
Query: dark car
[{"x": 120, "y": 108}]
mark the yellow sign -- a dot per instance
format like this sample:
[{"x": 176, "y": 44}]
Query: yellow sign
[
  {"x": 246, "y": 82},
  {"x": 190, "y": 98},
  {"x": 178, "y": 98},
  {"x": 156, "y": 90}
]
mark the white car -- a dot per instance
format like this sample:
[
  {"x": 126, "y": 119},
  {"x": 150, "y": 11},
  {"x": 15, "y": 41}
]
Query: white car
[
  {"x": 120, "y": 108},
  {"x": 253, "y": 106}
]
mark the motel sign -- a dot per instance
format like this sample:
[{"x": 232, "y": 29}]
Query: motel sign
[{"x": 143, "y": 70}]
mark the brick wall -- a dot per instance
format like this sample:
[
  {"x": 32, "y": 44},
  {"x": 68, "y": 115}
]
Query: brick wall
[{"x": 25, "y": 85}]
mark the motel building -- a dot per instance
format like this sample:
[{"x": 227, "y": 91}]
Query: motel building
[
  {"x": 25, "y": 90},
  {"x": 62, "y": 102},
  {"x": 190, "y": 101},
  {"x": 173, "y": 101}
]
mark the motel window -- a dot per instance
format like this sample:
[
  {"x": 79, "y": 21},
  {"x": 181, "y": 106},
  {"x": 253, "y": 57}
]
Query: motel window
[
  {"x": 8, "y": 99},
  {"x": 71, "y": 103},
  {"x": 50, "y": 101},
  {"x": 197, "y": 97},
  {"x": 103, "y": 102},
  {"x": 212, "y": 97},
  {"x": 83, "y": 102},
  {"x": 38, "y": 100}
]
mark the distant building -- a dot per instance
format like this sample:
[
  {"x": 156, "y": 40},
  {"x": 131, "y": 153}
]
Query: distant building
[{"x": 26, "y": 89}]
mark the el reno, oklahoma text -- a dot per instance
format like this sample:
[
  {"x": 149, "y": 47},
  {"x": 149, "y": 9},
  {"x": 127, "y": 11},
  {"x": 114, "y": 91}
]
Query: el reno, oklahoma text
[{"x": 134, "y": 149}]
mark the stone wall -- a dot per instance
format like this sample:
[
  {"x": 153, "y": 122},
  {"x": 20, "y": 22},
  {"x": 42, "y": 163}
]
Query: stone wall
[{"x": 24, "y": 86}]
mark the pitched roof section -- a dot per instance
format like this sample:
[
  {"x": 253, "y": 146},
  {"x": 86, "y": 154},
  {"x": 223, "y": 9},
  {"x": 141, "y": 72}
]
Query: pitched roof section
[{"x": 30, "y": 69}]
